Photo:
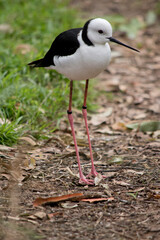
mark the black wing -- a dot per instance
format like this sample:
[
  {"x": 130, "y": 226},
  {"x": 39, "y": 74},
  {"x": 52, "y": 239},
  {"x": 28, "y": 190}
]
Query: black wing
[{"x": 65, "y": 44}]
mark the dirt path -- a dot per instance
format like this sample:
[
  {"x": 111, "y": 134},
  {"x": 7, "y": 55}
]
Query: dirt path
[{"x": 129, "y": 159}]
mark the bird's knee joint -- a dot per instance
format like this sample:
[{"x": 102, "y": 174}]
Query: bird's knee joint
[
  {"x": 69, "y": 112},
  {"x": 84, "y": 107}
]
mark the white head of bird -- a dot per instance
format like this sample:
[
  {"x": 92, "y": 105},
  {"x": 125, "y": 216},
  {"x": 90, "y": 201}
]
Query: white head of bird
[{"x": 99, "y": 31}]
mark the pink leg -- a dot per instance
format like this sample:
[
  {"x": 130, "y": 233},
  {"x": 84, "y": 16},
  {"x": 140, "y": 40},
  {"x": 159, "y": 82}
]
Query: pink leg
[
  {"x": 84, "y": 111},
  {"x": 70, "y": 117}
]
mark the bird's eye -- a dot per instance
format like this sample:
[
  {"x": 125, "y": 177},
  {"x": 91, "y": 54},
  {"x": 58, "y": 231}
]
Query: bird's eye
[{"x": 100, "y": 31}]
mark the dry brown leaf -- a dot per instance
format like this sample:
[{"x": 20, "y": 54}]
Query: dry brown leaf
[
  {"x": 14, "y": 218},
  {"x": 140, "y": 116},
  {"x": 29, "y": 164},
  {"x": 32, "y": 163},
  {"x": 105, "y": 130},
  {"x": 110, "y": 174},
  {"x": 134, "y": 172},
  {"x": 51, "y": 150},
  {"x": 7, "y": 176},
  {"x": 156, "y": 134},
  {"x": 98, "y": 179},
  {"x": 32, "y": 217},
  {"x": 29, "y": 140},
  {"x": 110, "y": 153},
  {"x": 120, "y": 126},
  {"x": 3, "y": 155},
  {"x": 99, "y": 219},
  {"x": 81, "y": 142},
  {"x": 92, "y": 200},
  {"x": 69, "y": 205},
  {"x": 107, "y": 189},
  {"x": 17, "y": 175},
  {"x": 31, "y": 221},
  {"x": 157, "y": 196},
  {"x": 40, "y": 214},
  {"x": 123, "y": 87},
  {"x": 98, "y": 119},
  {"x": 122, "y": 183},
  {"x": 73, "y": 174},
  {"x": 40, "y": 201},
  {"x": 155, "y": 108},
  {"x": 154, "y": 144},
  {"x": 114, "y": 82},
  {"x": 5, "y": 148},
  {"x": 51, "y": 215},
  {"x": 66, "y": 155}
]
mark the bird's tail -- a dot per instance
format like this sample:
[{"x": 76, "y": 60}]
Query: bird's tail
[{"x": 37, "y": 63}]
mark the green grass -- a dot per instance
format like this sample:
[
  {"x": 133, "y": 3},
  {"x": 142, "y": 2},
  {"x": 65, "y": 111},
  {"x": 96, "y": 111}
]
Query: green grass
[
  {"x": 33, "y": 99},
  {"x": 9, "y": 132}
]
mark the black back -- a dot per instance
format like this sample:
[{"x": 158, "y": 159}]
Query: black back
[{"x": 64, "y": 44}]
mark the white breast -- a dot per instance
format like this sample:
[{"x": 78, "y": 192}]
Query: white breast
[{"x": 87, "y": 62}]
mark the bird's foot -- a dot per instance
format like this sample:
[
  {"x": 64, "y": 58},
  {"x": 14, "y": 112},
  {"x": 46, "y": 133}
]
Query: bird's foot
[{"x": 84, "y": 180}]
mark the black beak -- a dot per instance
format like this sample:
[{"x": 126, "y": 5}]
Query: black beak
[{"x": 118, "y": 42}]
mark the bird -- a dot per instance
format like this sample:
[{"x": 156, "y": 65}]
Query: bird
[{"x": 81, "y": 54}]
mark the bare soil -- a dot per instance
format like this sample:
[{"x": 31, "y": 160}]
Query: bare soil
[{"x": 129, "y": 91}]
